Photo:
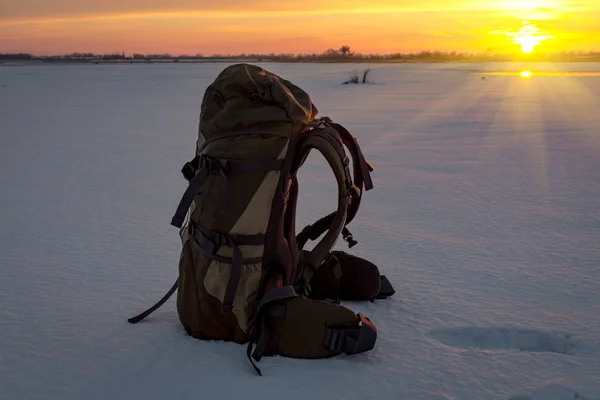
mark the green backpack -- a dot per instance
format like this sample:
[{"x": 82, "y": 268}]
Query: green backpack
[{"x": 244, "y": 275}]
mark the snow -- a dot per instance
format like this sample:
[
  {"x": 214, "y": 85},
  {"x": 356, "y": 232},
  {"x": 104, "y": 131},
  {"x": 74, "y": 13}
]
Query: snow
[{"x": 485, "y": 217}]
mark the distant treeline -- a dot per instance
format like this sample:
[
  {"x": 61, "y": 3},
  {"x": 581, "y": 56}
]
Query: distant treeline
[{"x": 332, "y": 55}]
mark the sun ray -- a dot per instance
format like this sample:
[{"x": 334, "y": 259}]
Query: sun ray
[
  {"x": 469, "y": 94},
  {"x": 519, "y": 117},
  {"x": 569, "y": 96}
]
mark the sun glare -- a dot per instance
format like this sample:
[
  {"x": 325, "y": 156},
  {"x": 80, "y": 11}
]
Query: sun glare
[
  {"x": 526, "y": 74},
  {"x": 528, "y": 36}
]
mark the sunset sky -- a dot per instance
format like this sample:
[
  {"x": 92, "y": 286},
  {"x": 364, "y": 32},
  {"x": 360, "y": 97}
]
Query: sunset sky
[{"x": 234, "y": 26}]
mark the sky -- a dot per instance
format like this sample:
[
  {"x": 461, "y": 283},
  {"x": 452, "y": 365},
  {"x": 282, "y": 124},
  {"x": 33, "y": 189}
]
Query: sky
[{"x": 205, "y": 27}]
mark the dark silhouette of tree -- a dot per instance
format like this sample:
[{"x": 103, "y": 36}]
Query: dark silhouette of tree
[
  {"x": 342, "y": 54},
  {"x": 345, "y": 50}
]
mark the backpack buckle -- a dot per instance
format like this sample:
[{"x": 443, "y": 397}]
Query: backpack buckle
[
  {"x": 190, "y": 168},
  {"x": 348, "y": 238},
  {"x": 354, "y": 191},
  {"x": 347, "y": 172}
]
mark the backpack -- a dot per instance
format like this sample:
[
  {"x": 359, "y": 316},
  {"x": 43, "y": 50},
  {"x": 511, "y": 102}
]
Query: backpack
[{"x": 244, "y": 274}]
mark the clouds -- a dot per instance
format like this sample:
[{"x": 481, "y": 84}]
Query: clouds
[{"x": 35, "y": 9}]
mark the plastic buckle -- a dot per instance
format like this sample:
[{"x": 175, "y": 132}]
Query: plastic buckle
[
  {"x": 346, "y": 162},
  {"x": 190, "y": 168},
  {"x": 349, "y": 239},
  {"x": 354, "y": 191}
]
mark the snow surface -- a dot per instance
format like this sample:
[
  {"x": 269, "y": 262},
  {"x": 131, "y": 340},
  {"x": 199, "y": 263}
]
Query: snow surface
[{"x": 485, "y": 217}]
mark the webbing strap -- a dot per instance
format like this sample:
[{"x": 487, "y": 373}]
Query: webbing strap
[
  {"x": 155, "y": 307},
  {"x": 312, "y": 232},
  {"x": 361, "y": 166},
  {"x": 188, "y": 197},
  {"x": 191, "y": 167},
  {"x": 351, "y": 340},
  {"x": 234, "y": 279},
  {"x": 277, "y": 293},
  {"x": 203, "y": 165},
  {"x": 263, "y": 334},
  {"x": 211, "y": 241}
]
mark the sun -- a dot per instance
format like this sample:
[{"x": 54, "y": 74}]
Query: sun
[
  {"x": 528, "y": 43},
  {"x": 529, "y": 37}
]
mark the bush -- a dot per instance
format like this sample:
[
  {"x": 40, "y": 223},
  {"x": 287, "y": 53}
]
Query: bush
[
  {"x": 356, "y": 79},
  {"x": 365, "y": 73}
]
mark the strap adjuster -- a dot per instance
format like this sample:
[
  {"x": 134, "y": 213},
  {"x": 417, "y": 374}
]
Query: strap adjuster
[{"x": 212, "y": 165}]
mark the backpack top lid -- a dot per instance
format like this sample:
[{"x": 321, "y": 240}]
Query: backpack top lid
[{"x": 247, "y": 97}]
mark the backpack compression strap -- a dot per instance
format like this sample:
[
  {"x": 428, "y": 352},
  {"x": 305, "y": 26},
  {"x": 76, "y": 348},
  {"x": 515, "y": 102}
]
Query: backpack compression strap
[
  {"x": 197, "y": 170},
  {"x": 362, "y": 179}
]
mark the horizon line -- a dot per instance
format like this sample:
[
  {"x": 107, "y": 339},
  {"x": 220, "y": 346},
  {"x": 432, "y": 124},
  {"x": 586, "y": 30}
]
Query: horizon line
[{"x": 321, "y": 53}]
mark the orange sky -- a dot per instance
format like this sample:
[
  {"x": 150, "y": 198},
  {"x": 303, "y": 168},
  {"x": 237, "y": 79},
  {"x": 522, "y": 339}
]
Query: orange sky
[{"x": 233, "y": 26}]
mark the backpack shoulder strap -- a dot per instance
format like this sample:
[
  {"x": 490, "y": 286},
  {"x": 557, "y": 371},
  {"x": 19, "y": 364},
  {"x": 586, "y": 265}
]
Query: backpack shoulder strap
[
  {"x": 361, "y": 181},
  {"x": 328, "y": 142}
]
